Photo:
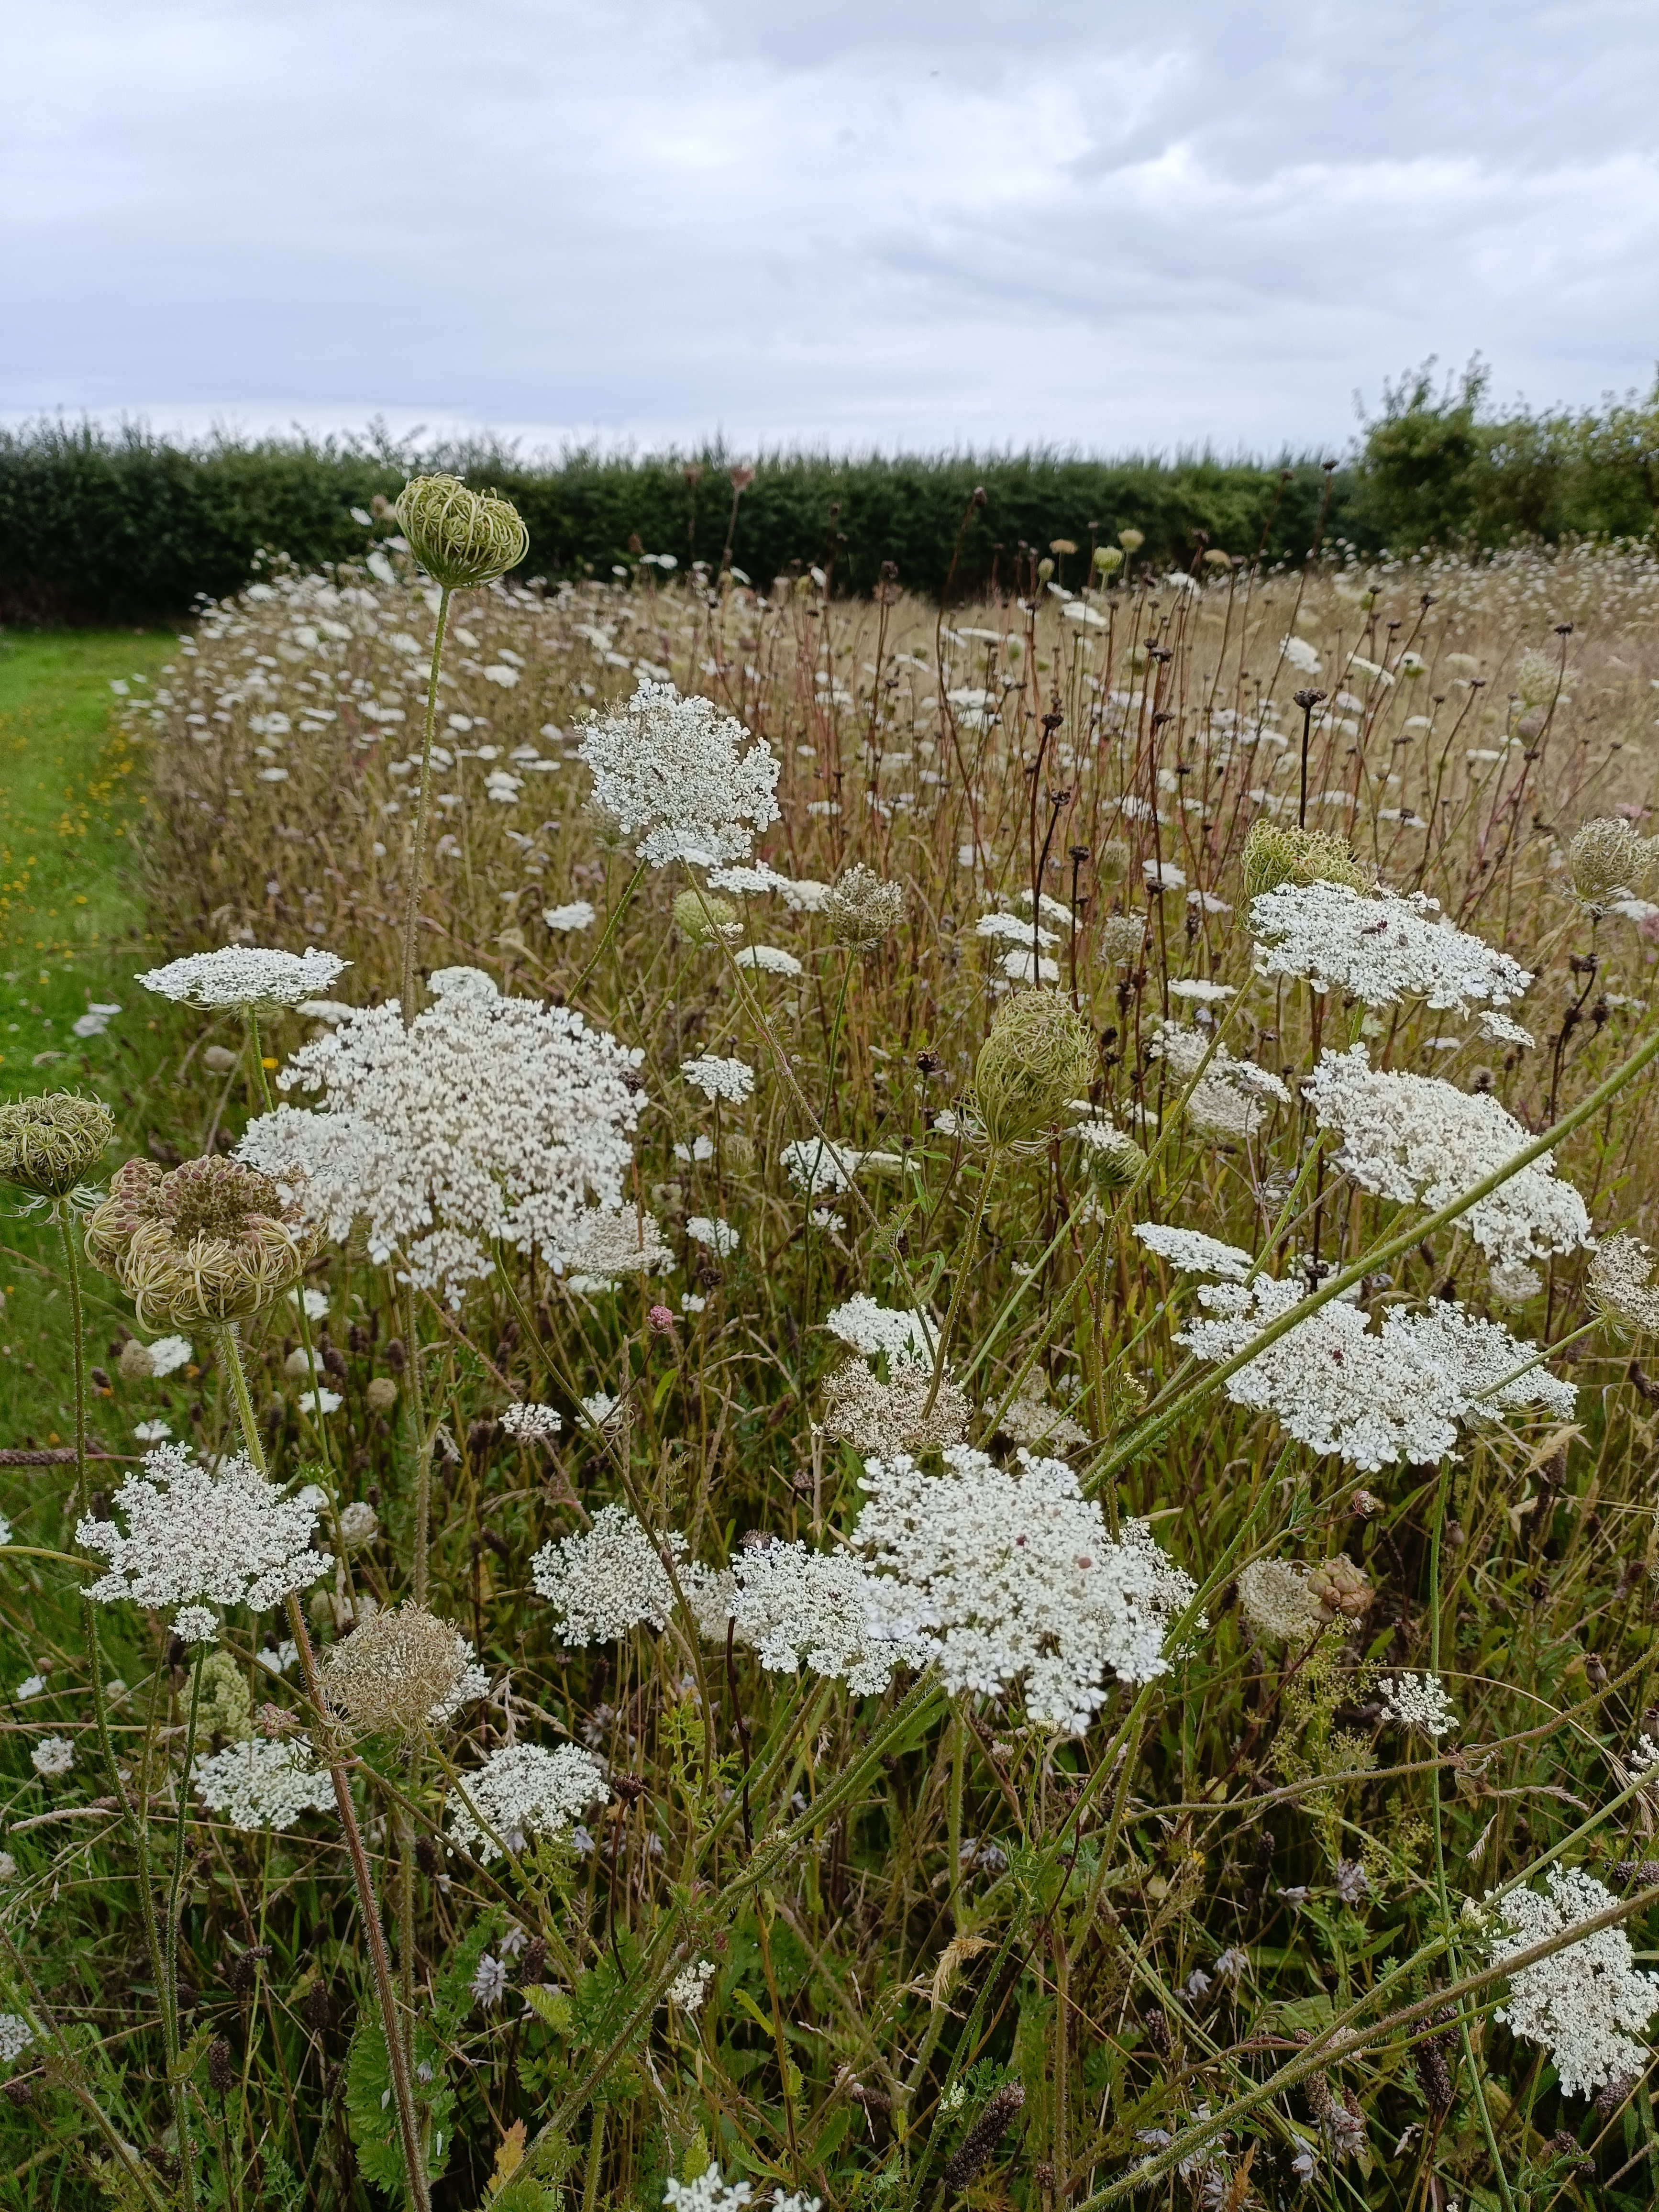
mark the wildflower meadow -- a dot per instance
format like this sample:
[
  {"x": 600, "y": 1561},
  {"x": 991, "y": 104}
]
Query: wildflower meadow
[{"x": 860, "y": 1416}]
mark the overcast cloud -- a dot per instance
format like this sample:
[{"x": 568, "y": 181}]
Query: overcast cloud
[{"x": 913, "y": 224}]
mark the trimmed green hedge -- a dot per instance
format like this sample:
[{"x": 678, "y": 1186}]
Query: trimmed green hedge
[{"x": 116, "y": 527}]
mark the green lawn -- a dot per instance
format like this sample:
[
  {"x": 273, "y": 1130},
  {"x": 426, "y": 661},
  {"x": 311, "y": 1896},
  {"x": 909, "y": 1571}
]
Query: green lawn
[
  {"x": 71, "y": 936},
  {"x": 70, "y": 796}
]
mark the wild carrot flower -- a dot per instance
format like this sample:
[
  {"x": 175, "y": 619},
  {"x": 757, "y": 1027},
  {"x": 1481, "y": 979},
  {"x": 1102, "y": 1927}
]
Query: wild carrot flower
[
  {"x": 1586, "y": 2003},
  {"x": 1380, "y": 949},
  {"x": 262, "y": 1783},
  {"x": 672, "y": 769},
  {"x": 522, "y": 1791}
]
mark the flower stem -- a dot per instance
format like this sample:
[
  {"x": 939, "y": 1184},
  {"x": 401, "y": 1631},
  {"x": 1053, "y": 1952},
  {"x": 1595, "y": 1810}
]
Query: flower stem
[
  {"x": 402, "y": 2086},
  {"x": 170, "y": 1984},
  {"x": 423, "y": 813}
]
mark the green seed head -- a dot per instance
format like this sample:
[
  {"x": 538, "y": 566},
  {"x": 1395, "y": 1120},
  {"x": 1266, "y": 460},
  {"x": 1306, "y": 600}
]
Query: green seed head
[
  {"x": 1609, "y": 862},
  {"x": 703, "y": 917},
  {"x": 49, "y": 1145},
  {"x": 460, "y": 538},
  {"x": 1276, "y": 854},
  {"x": 1040, "y": 1054}
]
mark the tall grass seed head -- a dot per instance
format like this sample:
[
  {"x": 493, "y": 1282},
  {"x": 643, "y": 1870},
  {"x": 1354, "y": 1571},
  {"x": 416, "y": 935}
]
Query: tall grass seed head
[
  {"x": 49, "y": 1144},
  {"x": 460, "y": 538},
  {"x": 1276, "y": 853},
  {"x": 1039, "y": 1055}
]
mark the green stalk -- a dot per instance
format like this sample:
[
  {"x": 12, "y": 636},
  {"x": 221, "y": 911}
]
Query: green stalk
[
  {"x": 402, "y": 2086},
  {"x": 612, "y": 924},
  {"x": 423, "y": 812},
  {"x": 170, "y": 1991},
  {"x": 965, "y": 1269}
]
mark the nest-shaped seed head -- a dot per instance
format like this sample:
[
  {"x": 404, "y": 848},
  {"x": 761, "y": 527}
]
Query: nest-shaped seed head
[
  {"x": 398, "y": 1672},
  {"x": 1609, "y": 861},
  {"x": 864, "y": 909},
  {"x": 1276, "y": 852},
  {"x": 1040, "y": 1054},
  {"x": 703, "y": 916},
  {"x": 460, "y": 538},
  {"x": 211, "y": 1243},
  {"x": 49, "y": 1145}
]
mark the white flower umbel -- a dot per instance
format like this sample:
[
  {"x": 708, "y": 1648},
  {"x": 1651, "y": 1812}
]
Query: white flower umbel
[
  {"x": 674, "y": 769},
  {"x": 814, "y": 1164},
  {"x": 1379, "y": 950},
  {"x": 263, "y": 1784},
  {"x": 1414, "y": 1138},
  {"x": 1370, "y": 1397},
  {"x": 818, "y": 1609},
  {"x": 719, "y": 1237},
  {"x": 607, "y": 1580},
  {"x": 1190, "y": 1252},
  {"x": 691, "y": 1985},
  {"x": 53, "y": 1757},
  {"x": 228, "y": 1537},
  {"x": 719, "y": 1077},
  {"x": 245, "y": 976},
  {"x": 490, "y": 1118},
  {"x": 870, "y": 1327},
  {"x": 1010, "y": 1577},
  {"x": 1419, "y": 1701},
  {"x": 1584, "y": 2004},
  {"x": 768, "y": 960},
  {"x": 522, "y": 1791},
  {"x": 16, "y": 2037},
  {"x": 532, "y": 1420},
  {"x": 576, "y": 913}
]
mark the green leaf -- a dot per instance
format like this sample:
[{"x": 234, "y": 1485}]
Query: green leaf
[
  {"x": 371, "y": 2109},
  {"x": 551, "y": 2006}
]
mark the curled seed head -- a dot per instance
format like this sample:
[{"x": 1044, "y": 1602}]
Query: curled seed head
[
  {"x": 1276, "y": 854},
  {"x": 1342, "y": 1588},
  {"x": 49, "y": 1145},
  {"x": 703, "y": 917},
  {"x": 213, "y": 1242},
  {"x": 460, "y": 538},
  {"x": 1040, "y": 1054},
  {"x": 1609, "y": 862},
  {"x": 863, "y": 908},
  {"x": 391, "y": 1674}
]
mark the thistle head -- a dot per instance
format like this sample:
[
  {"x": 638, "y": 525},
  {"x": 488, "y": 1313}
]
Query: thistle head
[
  {"x": 49, "y": 1145},
  {"x": 211, "y": 1243},
  {"x": 1039, "y": 1055},
  {"x": 1609, "y": 861},
  {"x": 460, "y": 538},
  {"x": 1276, "y": 853},
  {"x": 863, "y": 908}
]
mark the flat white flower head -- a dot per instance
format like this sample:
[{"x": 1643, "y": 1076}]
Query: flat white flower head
[
  {"x": 1586, "y": 2003},
  {"x": 491, "y": 1119},
  {"x": 605, "y": 1581},
  {"x": 522, "y": 1791},
  {"x": 263, "y": 1784},
  {"x": 870, "y": 1327},
  {"x": 1380, "y": 949},
  {"x": 1009, "y": 1578},
  {"x": 719, "y": 1077},
  {"x": 1419, "y": 1701},
  {"x": 673, "y": 771},
  {"x": 1190, "y": 1252},
  {"x": 245, "y": 976},
  {"x": 1413, "y": 1137},
  {"x": 197, "y": 1538}
]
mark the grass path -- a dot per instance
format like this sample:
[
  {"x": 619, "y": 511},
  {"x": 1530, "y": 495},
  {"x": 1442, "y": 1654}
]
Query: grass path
[
  {"x": 71, "y": 935},
  {"x": 70, "y": 795}
]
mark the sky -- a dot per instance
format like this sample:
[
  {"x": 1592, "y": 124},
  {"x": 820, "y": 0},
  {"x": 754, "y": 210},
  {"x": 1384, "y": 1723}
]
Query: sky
[{"x": 898, "y": 224}]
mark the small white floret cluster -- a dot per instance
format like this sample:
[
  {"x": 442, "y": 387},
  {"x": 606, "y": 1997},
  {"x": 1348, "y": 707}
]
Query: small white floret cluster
[
  {"x": 228, "y": 1537},
  {"x": 245, "y": 976},
  {"x": 491, "y": 1118},
  {"x": 814, "y": 1166},
  {"x": 1413, "y": 1137},
  {"x": 1419, "y": 1701},
  {"x": 262, "y": 1783},
  {"x": 1371, "y": 1397},
  {"x": 532, "y": 1420},
  {"x": 907, "y": 1338},
  {"x": 1379, "y": 950},
  {"x": 719, "y": 1076},
  {"x": 1585, "y": 2003},
  {"x": 673, "y": 768},
  {"x": 607, "y": 1580},
  {"x": 1190, "y": 1252},
  {"x": 522, "y": 1791},
  {"x": 16, "y": 2037},
  {"x": 1005, "y": 1577},
  {"x": 818, "y": 1609}
]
